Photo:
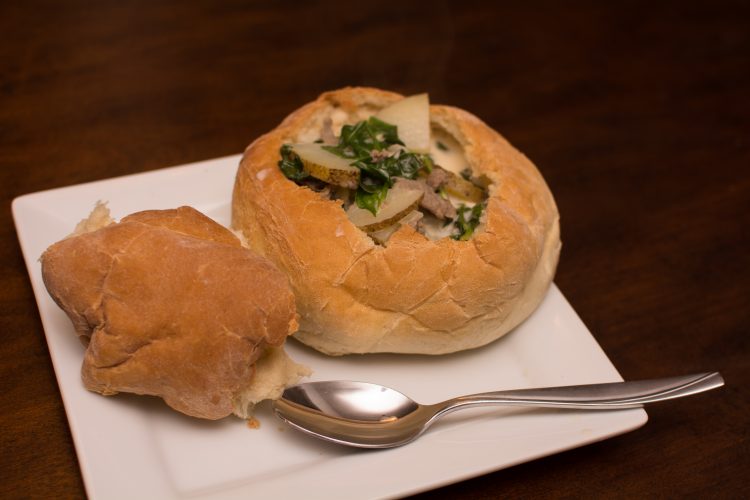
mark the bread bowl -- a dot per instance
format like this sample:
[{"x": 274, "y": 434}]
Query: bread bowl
[
  {"x": 168, "y": 303},
  {"x": 412, "y": 292}
]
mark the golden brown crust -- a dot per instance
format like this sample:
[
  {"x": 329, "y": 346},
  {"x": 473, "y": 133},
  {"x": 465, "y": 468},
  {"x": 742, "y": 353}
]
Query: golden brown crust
[
  {"x": 173, "y": 307},
  {"x": 413, "y": 295}
]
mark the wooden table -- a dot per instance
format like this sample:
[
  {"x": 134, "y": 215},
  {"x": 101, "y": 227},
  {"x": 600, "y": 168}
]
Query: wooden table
[{"x": 638, "y": 115}]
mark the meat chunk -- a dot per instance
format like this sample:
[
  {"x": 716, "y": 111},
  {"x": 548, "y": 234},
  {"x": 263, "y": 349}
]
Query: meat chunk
[
  {"x": 437, "y": 177},
  {"x": 431, "y": 201}
]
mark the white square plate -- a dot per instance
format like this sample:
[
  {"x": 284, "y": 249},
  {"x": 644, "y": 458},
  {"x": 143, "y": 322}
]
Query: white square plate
[{"x": 135, "y": 447}]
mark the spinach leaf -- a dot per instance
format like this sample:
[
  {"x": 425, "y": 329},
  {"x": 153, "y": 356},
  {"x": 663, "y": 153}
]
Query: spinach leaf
[
  {"x": 359, "y": 140},
  {"x": 427, "y": 162},
  {"x": 368, "y": 146},
  {"x": 370, "y": 184},
  {"x": 466, "y": 226},
  {"x": 371, "y": 200},
  {"x": 291, "y": 164}
]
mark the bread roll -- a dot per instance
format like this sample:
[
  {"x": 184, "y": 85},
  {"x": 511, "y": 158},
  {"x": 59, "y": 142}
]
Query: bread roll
[
  {"x": 170, "y": 304},
  {"x": 413, "y": 294}
]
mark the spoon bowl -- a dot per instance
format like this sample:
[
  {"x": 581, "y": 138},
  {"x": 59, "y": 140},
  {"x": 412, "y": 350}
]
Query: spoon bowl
[
  {"x": 369, "y": 415},
  {"x": 357, "y": 401},
  {"x": 353, "y": 413}
]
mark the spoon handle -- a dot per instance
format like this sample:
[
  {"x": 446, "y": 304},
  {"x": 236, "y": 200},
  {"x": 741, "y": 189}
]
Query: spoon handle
[{"x": 609, "y": 396}]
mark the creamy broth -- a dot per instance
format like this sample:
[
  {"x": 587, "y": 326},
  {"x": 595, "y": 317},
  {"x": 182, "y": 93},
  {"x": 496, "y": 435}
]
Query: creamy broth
[{"x": 451, "y": 155}]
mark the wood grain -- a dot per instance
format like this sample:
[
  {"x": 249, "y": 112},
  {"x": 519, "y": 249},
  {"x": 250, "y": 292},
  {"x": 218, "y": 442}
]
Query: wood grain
[{"x": 636, "y": 112}]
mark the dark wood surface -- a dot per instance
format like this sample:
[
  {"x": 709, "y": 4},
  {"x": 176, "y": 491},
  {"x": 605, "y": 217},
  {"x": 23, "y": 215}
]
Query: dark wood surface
[{"x": 637, "y": 113}]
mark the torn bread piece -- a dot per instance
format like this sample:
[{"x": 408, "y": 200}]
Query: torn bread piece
[{"x": 170, "y": 304}]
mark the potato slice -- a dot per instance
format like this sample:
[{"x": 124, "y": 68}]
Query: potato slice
[
  {"x": 383, "y": 235},
  {"x": 412, "y": 117},
  {"x": 398, "y": 202},
  {"x": 327, "y": 166},
  {"x": 461, "y": 188}
]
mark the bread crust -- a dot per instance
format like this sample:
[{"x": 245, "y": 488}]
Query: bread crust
[
  {"x": 171, "y": 305},
  {"x": 413, "y": 295}
]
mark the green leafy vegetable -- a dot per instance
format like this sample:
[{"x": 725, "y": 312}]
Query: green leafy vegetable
[
  {"x": 358, "y": 140},
  {"x": 427, "y": 162},
  {"x": 291, "y": 164},
  {"x": 369, "y": 146},
  {"x": 371, "y": 200},
  {"x": 466, "y": 225}
]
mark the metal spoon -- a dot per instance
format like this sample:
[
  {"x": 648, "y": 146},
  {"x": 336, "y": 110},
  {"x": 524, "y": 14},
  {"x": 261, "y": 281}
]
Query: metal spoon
[{"x": 372, "y": 416}]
